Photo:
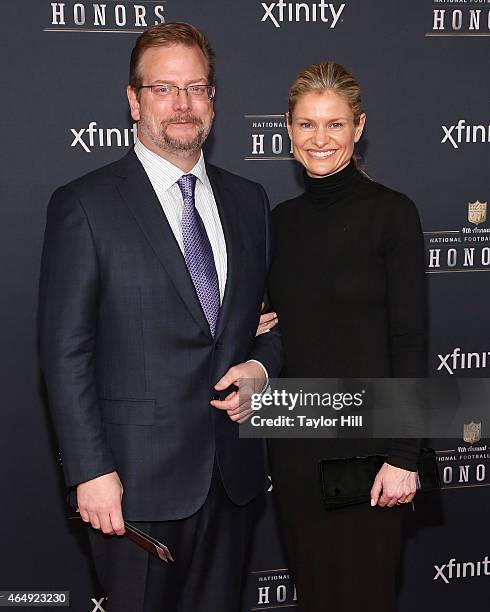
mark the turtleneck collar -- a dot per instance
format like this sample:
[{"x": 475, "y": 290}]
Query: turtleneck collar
[{"x": 327, "y": 189}]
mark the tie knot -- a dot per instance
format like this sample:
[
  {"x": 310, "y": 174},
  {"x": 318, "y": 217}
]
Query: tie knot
[{"x": 187, "y": 184}]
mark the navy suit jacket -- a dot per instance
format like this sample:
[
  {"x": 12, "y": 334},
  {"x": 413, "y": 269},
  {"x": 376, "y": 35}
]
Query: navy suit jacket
[{"x": 127, "y": 355}]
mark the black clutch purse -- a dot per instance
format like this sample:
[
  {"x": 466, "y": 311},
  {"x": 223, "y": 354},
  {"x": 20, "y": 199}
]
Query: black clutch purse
[{"x": 348, "y": 482}]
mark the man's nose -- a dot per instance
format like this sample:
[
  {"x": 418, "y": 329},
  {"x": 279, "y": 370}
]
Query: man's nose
[{"x": 182, "y": 101}]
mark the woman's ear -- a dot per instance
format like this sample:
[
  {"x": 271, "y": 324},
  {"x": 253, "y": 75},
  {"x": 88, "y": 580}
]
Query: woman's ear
[
  {"x": 288, "y": 123},
  {"x": 360, "y": 127}
]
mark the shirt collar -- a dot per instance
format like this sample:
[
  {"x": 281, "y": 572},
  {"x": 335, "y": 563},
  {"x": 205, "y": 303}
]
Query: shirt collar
[{"x": 164, "y": 172}]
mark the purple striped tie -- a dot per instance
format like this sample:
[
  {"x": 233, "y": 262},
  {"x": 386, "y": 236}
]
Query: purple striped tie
[{"x": 198, "y": 253}]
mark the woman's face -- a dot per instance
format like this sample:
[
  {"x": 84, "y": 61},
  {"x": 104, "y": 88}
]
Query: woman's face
[{"x": 323, "y": 133}]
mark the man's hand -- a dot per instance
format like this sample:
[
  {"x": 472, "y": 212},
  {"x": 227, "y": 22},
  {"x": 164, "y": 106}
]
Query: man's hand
[
  {"x": 99, "y": 503},
  {"x": 393, "y": 486},
  {"x": 267, "y": 321},
  {"x": 249, "y": 378}
]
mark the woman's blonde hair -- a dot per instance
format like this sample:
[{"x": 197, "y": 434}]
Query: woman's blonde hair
[{"x": 329, "y": 76}]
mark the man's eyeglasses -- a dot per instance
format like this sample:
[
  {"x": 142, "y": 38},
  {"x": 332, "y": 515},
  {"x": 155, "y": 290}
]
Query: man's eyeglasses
[{"x": 171, "y": 91}]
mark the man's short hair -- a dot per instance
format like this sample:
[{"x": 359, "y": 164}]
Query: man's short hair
[{"x": 164, "y": 35}]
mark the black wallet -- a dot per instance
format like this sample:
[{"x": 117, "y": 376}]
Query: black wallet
[{"x": 348, "y": 481}]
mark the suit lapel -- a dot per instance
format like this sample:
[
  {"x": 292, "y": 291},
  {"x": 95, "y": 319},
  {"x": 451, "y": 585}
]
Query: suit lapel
[
  {"x": 139, "y": 195},
  {"x": 225, "y": 201}
]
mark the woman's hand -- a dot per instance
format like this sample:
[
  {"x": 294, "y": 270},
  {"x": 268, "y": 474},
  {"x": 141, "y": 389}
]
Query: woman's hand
[
  {"x": 267, "y": 321},
  {"x": 393, "y": 486}
]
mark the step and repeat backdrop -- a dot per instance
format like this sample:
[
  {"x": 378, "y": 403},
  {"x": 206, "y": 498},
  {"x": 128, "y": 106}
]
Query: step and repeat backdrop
[{"x": 423, "y": 68}]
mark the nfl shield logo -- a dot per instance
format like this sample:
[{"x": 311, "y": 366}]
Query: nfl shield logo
[
  {"x": 472, "y": 432},
  {"x": 477, "y": 212}
]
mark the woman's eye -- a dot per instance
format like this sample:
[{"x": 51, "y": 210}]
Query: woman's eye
[
  {"x": 336, "y": 125},
  {"x": 305, "y": 125}
]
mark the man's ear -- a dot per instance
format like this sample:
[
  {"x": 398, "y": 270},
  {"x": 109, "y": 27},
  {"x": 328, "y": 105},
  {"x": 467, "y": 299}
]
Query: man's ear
[{"x": 134, "y": 104}]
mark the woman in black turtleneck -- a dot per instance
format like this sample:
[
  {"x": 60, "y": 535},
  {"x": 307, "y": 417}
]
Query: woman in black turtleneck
[{"x": 348, "y": 285}]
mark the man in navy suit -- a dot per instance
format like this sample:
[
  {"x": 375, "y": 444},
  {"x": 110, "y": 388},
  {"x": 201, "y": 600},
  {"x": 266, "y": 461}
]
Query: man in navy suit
[{"x": 152, "y": 279}]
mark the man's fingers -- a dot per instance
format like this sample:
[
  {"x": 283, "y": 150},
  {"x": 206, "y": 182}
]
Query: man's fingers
[
  {"x": 84, "y": 515},
  {"x": 94, "y": 520},
  {"x": 243, "y": 406},
  {"x": 230, "y": 378},
  {"x": 230, "y": 403},
  {"x": 376, "y": 491},
  {"x": 234, "y": 403},
  {"x": 236, "y": 410},
  {"x": 241, "y": 373},
  {"x": 105, "y": 523},
  {"x": 109, "y": 523},
  {"x": 117, "y": 522},
  {"x": 245, "y": 376},
  {"x": 98, "y": 498},
  {"x": 244, "y": 416}
]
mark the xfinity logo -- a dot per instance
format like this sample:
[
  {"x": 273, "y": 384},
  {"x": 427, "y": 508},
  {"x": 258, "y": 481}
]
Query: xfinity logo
[
  {"x": 467, "y": 569},
  {"x": 91, "y": 136},
  {"x": 98, "y": 604},
  {"x": 456, "y": 134},
  {"x": 458, "y": 360},
  {"x": 281, "y": 11}
]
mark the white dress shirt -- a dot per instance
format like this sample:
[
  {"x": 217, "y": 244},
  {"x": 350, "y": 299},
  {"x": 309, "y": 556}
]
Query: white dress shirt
[{"x": 163, "y": 176}]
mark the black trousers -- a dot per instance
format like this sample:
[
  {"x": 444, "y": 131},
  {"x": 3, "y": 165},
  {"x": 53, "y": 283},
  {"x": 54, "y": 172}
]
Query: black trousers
[{"x": 210, "y": 548}]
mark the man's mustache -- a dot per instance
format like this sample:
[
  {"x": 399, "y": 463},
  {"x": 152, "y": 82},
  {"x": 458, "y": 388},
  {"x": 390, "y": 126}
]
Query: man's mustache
[{"x": 182, "y": 118}]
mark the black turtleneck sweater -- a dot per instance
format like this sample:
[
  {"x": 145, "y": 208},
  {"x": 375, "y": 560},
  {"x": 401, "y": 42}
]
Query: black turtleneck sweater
[{"x": 348, "y": 284}]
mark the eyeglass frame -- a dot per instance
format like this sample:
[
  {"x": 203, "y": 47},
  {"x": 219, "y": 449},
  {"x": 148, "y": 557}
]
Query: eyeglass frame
[{"x": 211, "y": 89}]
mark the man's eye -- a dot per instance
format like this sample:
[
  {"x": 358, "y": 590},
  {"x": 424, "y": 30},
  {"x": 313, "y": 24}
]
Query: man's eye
[{"x": 162, "y": 89}]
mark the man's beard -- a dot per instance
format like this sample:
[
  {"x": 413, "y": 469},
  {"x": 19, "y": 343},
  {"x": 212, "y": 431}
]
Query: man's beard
[{"x": 175, "y": 145}]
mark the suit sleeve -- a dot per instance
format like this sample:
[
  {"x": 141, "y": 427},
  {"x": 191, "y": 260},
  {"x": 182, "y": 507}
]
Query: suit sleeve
[
  {"x": 267, "y": 348},
  {"x": 406, "y": 283},
  {"x": 68, "y": 297}
]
